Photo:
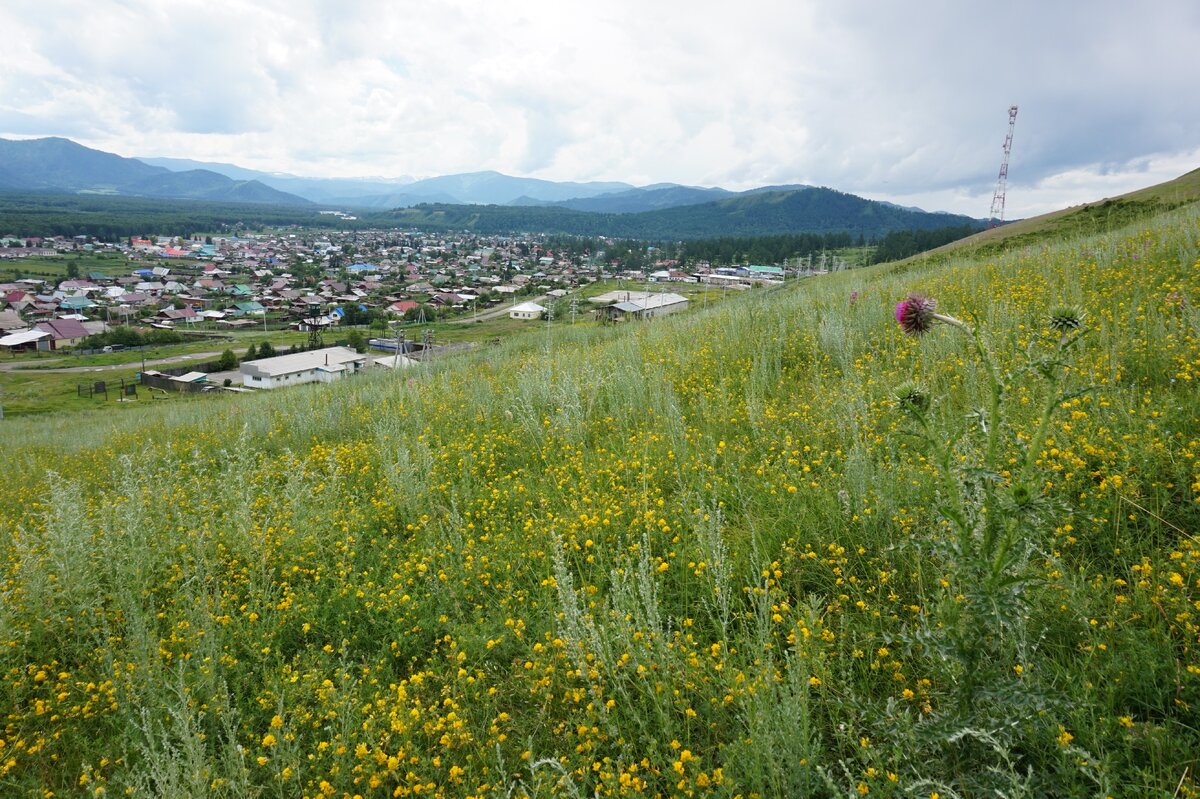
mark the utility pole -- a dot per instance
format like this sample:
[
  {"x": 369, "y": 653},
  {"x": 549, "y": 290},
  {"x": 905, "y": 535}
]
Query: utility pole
[{"x": 399, "y": 346}]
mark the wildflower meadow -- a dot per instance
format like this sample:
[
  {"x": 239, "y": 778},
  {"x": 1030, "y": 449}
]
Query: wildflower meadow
[{"x": 926, "y": 529}]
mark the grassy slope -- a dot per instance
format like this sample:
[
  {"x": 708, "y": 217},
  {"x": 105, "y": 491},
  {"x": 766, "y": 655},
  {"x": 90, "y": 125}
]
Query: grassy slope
[
  {"x": 694, "y": 555},
  {"x": 1095, "y": 217}
]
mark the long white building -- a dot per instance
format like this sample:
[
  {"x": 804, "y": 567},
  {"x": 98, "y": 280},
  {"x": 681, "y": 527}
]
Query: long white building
[
  {"x": 314, "y": 366},
  {"x": 646, "y": 306}
]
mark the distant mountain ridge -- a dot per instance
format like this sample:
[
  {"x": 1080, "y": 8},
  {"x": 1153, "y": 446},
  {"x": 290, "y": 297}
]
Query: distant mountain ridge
[
  {"x": 483, "y": 188},
  {"x": 475, "y": 188},
  {"x": 55, "y": 164},
  {"x": 485, "y": 202},
  {"x": 318, "y": 190},
  {"x": 756, "y": 213}
]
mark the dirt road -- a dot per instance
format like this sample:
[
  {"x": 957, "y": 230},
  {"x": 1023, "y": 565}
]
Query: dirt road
[
  {"x": 36, "y": 366},
  {"x": 494, "y": 313}
]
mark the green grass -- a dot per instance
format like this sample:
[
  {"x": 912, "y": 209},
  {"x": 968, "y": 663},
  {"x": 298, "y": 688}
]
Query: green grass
[
  {"x": 1092, "y": 218},
  {"x": 704, "y": 554},
  {"x": 23, "y": 393},
  {"x": 55, "y": 267}
]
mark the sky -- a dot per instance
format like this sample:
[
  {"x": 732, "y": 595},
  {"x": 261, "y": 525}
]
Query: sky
[{"x": 899, "y": 101}]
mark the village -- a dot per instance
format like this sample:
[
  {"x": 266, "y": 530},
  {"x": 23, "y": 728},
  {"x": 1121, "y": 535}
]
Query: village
[{"x": 375, "y": 294}]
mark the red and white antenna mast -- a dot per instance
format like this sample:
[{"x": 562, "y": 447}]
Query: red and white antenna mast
[{"x": 996, "y": 215}]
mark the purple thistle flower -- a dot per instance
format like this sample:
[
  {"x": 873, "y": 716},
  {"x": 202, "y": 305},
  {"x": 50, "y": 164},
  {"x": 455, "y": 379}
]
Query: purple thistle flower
[{"x": 915, "y": 313}]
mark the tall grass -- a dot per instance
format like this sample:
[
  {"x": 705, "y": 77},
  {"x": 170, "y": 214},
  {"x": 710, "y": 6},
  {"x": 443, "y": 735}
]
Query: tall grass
[{"x": 699, "y": 556}]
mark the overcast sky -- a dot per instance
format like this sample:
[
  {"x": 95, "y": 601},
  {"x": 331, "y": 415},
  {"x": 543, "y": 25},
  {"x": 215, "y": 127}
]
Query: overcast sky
[{"x": 904, "y": 101}]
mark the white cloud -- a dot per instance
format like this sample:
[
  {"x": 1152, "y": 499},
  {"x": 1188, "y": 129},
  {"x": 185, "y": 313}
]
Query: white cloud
[{"x": 888, "y": 100}]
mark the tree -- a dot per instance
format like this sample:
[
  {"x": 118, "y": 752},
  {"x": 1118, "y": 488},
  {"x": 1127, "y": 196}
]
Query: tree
[
  {"x": 414, "y": 314},
  {"x": 251, "y": 353},
  {"x": 354, "y": 315},
  {"x": 227, "y": 362},
  {"x": 265, "y": 350},
  {"x": 356, "y": 340}
]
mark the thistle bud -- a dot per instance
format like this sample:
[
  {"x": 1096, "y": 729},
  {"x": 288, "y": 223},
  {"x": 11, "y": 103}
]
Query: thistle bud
[
  {"x": 911, "y": 397},
  {"x": 1066, "y": 318}
]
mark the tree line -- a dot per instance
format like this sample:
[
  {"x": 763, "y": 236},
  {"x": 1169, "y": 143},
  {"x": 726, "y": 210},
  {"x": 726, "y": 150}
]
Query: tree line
[
  {"x": 115, "y": 218},
  {"x": 905, "y": 243}
]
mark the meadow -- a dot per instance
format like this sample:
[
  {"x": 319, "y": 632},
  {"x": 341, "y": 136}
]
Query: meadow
[{"x": 775, "y": 547}]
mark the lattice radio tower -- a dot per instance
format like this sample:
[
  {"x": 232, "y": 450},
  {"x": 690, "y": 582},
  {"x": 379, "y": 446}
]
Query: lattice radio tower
[{"x": 996, "y": 215}]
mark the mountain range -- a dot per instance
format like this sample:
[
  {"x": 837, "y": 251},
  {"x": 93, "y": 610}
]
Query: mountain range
[
  {"x": 481, "y": 201},
  {"x": 756, "y": 213},
  {"x": 61, "y": 165},
  {"x": 473, "y": 188}
]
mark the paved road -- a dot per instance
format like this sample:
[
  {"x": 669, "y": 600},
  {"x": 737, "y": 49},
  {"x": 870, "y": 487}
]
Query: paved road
[{"x": 33, "y": 366}]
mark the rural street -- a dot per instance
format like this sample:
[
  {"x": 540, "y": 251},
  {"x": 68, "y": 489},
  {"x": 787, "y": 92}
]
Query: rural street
[
  {"x": 495, "y": 312},
  {"x": 33, "y": 366}
]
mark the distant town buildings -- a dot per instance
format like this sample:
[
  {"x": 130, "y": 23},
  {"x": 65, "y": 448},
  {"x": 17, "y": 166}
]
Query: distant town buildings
[{"x": 308, "y": 279}]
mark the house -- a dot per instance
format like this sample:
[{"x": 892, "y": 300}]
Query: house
[
  {"x": 9, "y": 321},
  {"x": 75, "y": 303},
  {"x": 251, "y": 308},
  {"x": 63, "y": 332},
  {"x": 315, "y": 366},
  {"x": 177, "y": 315},
  {"x": 526, "y": 310},
  {"x": 404, "y": 306},
  {"x": 19, "y": 300}
]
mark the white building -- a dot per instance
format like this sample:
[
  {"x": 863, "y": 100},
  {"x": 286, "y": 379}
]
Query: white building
[
  {"x": 526, "y": 310},
  {"x": 315, "y": 366},
  {"x": 646, "y": 306}
]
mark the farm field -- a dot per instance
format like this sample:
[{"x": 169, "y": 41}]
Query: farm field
[
  {"x": 773, "y": 547},
  {"x": 57, "y": 267}
]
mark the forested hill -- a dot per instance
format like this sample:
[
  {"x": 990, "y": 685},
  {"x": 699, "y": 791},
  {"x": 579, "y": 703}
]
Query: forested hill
[
  {"x": 813, "y": 210},
  {"x": 109, "y": 218},
  {"x": 61, "y": 165}
]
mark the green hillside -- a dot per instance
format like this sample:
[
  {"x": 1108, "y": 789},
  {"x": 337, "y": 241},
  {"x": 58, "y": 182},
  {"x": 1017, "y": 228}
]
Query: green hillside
[
  {"x": 1081, "y": 220},
  {"x": 110, "y": 218},
  {"x": 813, "y": 210},
  {"x": 772, "y": 548},
  {"x": 61, "y": 165}
]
